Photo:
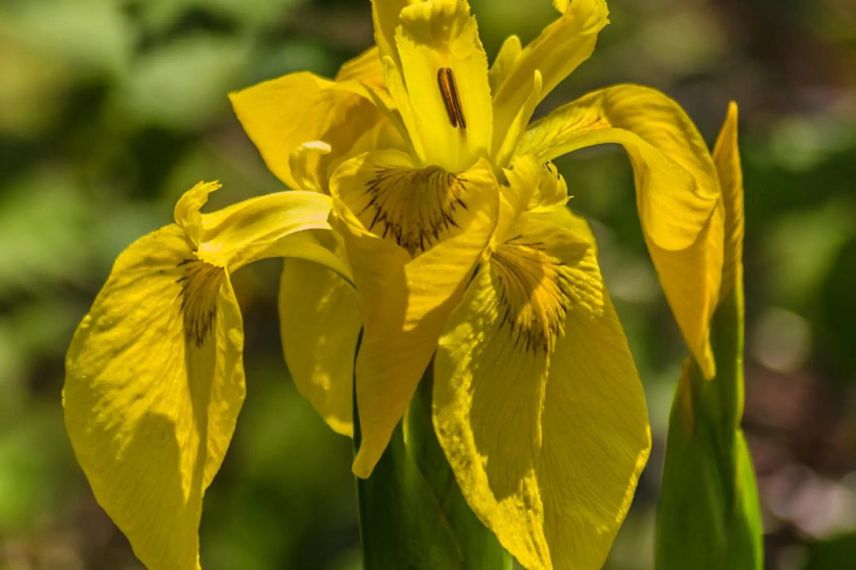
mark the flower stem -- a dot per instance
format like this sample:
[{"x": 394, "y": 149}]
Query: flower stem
[{"x": 412, "y": 513}]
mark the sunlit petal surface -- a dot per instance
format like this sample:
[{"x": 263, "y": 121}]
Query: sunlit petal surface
[
  {"x": 536, "y": 398},
  {"x": 677, "y": 191}
]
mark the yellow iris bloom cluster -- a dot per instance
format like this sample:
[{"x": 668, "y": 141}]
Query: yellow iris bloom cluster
[{"x": 427, "y": 217}]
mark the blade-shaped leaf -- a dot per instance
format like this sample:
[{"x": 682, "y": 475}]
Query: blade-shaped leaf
[{"x": 708, "y": 515}]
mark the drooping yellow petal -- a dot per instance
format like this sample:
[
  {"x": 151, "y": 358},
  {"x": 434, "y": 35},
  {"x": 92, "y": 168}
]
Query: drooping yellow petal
[
  {"x": 319, "y": 322},
  {"x": 554, "y": 54},
  {"x": 413, "y": 237},
  {"x": 726, "y": 156},
  {"x": 676, "y": 180},
  {"x": 537, "y": 403},
  {"x": 153, "y": 387},
  {"x": 154, "y": 379},
  {"x": 677, "y": 191},
  {"x": 282, "y": 114},
  {"x": 691, "y": 280},
  {"x": 444, "y": 69}
]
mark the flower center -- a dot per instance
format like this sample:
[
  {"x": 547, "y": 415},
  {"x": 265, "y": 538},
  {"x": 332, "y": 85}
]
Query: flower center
[
  {"x": 535, "y": 293},
  {"x": 415, "y": 207},
  {"x": 200, "y": 286}
]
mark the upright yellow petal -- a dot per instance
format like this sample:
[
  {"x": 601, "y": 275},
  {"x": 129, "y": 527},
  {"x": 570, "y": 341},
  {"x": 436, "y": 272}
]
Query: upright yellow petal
[
  {"x": 504, "y": 62},
  {"x": 366, "y": 69},
  {"x": 385, "y": 18},
  {"x": 154, "y": 379},
  {"x": 282, "y": 114},
  {"x": 319, "y": 322},
  {"x": 444, "y": 69},
  {"x": 509, "y": 141},
  {"x": 537, "y": 403},
  {"x": 677, "y": 191},
  {"x": 558, "y": 51},
  {"x": 413, "y": 237}
]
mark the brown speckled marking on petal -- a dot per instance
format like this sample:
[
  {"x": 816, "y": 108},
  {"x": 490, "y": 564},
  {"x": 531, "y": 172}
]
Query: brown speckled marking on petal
[
  {"x": 534, "y": 294},
  {"x": 415, "y": 207},
  {"x": 200, "y": 286}
]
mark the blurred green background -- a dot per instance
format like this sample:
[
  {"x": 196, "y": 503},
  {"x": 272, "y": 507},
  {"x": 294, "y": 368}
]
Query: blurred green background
[{"x": 110, "y": 109}]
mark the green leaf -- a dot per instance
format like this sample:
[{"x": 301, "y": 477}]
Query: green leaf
[
  {"x": 708, "y": 515},
  {"x": 412, "y": 514}
]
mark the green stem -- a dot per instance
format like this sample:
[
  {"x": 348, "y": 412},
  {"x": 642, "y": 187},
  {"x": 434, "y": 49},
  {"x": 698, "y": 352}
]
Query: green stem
[{"x": 412, "y": 513}]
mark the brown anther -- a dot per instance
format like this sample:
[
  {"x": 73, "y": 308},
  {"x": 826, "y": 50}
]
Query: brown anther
[{"x": 449, "y": 92}]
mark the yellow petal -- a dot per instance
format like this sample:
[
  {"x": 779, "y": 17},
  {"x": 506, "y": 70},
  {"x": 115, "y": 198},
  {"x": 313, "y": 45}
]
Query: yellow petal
[
  {"x": 726, "y": 156},
  {"x": 153, "y": 387},
  {"x": 537, "y": 403},
  {"x": 256, "y": 228},
  {"x": 281, "y": 114},
  {"x": 677, "y": 191},
  {"x": 504, "y": 62},
  {"x": 403, "y": 114},
  {"x": 531, "y": 186},
  {"x": 186, "y": 212},
  {"x": 319, "y": 322},
  {"x": 523, "y": 180},
  {"x": 154, "y": 379},
  {"x": 444, "y": 69},
  {"x": 691, "y": 280},
  {"x": 411, "y": 207},
  {"x": 553, "y": 190},
  {"x": 385, "y": 18},
  {"x": 366, "y": 69},
  {"x": 676, "y": 182},
  {"x": 305, "y": 163},
  {"x": 518, "y": 126},
  {"x": 555, "y": 53},
  {"x": 413, "y": 237}
]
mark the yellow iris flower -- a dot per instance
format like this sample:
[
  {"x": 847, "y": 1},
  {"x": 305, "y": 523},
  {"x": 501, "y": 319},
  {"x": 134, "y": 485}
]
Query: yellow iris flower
[{"x": 431, "y": 218}]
